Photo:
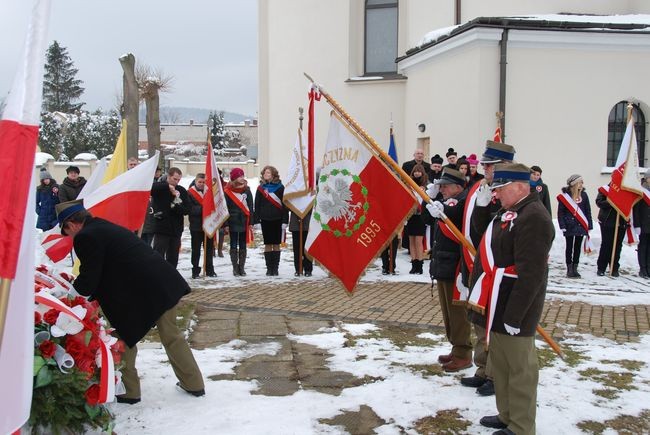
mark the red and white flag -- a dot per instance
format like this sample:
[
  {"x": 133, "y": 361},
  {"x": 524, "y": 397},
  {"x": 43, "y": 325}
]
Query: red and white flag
[
  {"x": 215, "y": 209},
  {"x": 497, "y": 132},
  {"x": 625, "y": 187},
  {"x": 297, "y": 196},
  {"x": 360, "y": 205},
  {"x": 18, "y": 142}
]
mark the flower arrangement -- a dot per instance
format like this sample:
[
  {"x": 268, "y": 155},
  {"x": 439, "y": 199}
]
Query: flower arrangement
[{"x": 74, "y": 359}]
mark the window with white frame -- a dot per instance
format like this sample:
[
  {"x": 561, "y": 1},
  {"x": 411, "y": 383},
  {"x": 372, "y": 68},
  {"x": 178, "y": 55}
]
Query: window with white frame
[
  {"x": 617, "y": 124},
  {"x": 380, "y": 37}
]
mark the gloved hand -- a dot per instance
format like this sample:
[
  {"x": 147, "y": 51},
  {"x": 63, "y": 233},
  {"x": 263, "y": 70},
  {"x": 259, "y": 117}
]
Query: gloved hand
[
  {"x": 433, "y": 190},
  {"x": 284, "y": 228},
  {"x": 511, "y": 330},
  {"x": 257, "y": 227},
  {"x": 483, "y": 196},
  {"x": 637, "y": 230},
  {"x": 436, "y": 209}
]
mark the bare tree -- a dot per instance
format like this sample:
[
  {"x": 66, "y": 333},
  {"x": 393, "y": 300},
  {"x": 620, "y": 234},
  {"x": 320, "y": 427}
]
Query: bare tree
[
  {"x": 151, "y": 83},
  {"x": 170, "y": 116},
  {"x": 129, "y": 110}
]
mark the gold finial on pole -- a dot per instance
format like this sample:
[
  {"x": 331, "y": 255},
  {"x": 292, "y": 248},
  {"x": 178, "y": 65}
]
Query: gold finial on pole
[
  {"x": 630, "y": 108},
  {"x": 300, "y": 116}
]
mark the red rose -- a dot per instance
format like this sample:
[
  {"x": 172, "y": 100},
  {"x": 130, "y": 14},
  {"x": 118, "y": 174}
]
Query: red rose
[
  {"x": 92, "y": 395},
  {"x": 83, "y": 357},
  {"x": 51, "y": 316},
  {"x": 78, "y": 300},
  {"x": 37, "y": 318},
  {"x": 47, "y": 348}
]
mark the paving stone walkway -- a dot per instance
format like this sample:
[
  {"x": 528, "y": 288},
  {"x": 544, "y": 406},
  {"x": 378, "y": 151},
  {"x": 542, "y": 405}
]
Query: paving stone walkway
[{"x": 404, "y": 303}]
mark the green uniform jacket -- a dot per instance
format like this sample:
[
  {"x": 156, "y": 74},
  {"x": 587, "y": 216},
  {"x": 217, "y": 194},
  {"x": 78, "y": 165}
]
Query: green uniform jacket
[{"x": 524, "y": 242}]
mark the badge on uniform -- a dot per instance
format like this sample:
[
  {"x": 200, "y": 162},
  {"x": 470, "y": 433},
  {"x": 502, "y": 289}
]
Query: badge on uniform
[
  {"x": 451, "y": 202},
  {"x": 539, "y": 189},
  {"x": 508, "y": 217}
]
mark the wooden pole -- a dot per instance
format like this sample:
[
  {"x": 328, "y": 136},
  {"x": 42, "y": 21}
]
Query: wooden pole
[
  {"x": 301, "y": 249},
  {"x": 409, "y": 181},
  {"x": 205, "y": 253},
  {"x": 5, "y": 288}
]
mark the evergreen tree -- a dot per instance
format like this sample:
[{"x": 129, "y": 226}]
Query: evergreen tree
[
  {"x": 50, "y": 135},
  {"x": 217, "y": 130},
  {"x": 94, "y": 133},
  {"x": 61, "y": 88}
]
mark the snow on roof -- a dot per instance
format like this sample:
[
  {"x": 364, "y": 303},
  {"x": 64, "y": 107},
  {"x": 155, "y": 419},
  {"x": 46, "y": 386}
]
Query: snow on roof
[
  {"x": 637, "y": 19},
  {"x": 85, "y": 156},
  {"x": 42, "y": 158}
]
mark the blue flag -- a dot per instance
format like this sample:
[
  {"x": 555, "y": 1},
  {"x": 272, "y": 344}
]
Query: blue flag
[{"x": 392, "y": 151}]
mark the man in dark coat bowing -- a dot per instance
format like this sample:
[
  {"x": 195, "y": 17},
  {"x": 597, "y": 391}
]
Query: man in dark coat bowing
[{"x": 136, "y": 289}]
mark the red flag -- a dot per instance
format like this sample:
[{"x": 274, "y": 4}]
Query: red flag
[
  {"x": 314, "y": 95},
  {"x": 215, "y": 210},
  {"x": 18, "y": 140},
  {"x": 625, "y": 187},
  {"x": 359, "y": 206},
  {"x": 497, "y": 132}
]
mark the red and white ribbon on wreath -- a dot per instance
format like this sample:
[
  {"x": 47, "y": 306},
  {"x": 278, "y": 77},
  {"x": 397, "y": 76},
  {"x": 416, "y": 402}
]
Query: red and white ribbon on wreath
[
  {"x": 107, "y": 373},
  {"x": 577, "y": 213}
]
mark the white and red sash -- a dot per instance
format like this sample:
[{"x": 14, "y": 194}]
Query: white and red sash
[
  {"x": 485, "y": 291},
  {"x": 579, "y": 215},
  {"x": 271, "y": 197},
  {"x": 238, "y": 199},
  {"x": 461, "y": 292},
  {"x": 198, "y": 196}
]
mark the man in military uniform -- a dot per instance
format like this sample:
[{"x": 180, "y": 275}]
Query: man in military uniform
[
  {"x": 519, "y": 238},
  {"x": 445, "y": 257},
  {"x": 482, "y": 207}
]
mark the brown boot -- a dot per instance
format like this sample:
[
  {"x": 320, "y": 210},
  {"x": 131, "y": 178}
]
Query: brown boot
[
  {"x": 457, "y": 364},
  {"x": 242, "y": 261},
  {"x": 444, "y": 359}
]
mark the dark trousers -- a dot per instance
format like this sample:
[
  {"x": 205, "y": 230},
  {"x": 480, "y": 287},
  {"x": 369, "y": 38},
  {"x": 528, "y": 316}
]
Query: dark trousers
[
  {"x": 167, "y": 246},
  {"x": 643, "y": 253},
  {"x": 147, "y": 237},
  {"x": 388, "y": 256},
  {"x": 197, "y": 242},
  {"x": 572, "y": 250},
  {"x": 606, "y": 245},
  {"x": 307, "y": 265},
  {"x": 238, "y": 240}
]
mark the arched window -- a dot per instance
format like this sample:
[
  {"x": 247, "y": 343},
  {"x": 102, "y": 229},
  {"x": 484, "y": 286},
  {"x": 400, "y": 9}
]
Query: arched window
[
  {"x": 381, "y": 36},
  {"x": 616, "y": 130}
]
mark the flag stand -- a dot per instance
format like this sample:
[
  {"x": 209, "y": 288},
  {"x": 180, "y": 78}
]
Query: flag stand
[{"x": 410, "y": 182}]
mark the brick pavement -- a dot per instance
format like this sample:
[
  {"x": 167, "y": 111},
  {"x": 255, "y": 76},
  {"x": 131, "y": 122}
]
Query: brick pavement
[{"x": 408, "y": 304}]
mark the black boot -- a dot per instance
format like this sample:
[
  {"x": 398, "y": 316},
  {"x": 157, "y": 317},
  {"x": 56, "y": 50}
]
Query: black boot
[
  {"x": 569, "y": 270},
  {"x": 242, "y": 261},
  {"x": 269, "y": 262},
  {"x": 413, "y": 266},
  {"x": 234, "y": 259},
  {"x": 420, "y": 265},
  {"x": 276, "y": 262},
  {"x": 575, "y": 271}
]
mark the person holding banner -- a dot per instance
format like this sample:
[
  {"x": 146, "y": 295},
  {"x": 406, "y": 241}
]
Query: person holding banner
[
  {"x": 295, "y": 224},
  {"x": 642, "y": 227},
  {"x": 196, "y": 193},
  {"x": 240, "y": 223},
  {"x": 607, "y": 221},
  {"x": 574, "y": 218},
  {"x": 511, "y": 269},
  {"x": 271, "y": 215},
  {"x": 136, "y": 289}
]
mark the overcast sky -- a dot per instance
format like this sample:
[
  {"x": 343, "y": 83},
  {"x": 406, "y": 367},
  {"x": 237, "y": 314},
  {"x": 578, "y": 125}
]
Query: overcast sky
[{"x": 209, "y": 47}]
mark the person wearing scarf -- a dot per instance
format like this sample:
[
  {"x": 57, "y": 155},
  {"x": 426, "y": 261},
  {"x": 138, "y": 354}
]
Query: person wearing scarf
[
  {"x": 271, "y": 215},
  {"x": 240, "y": 207},
  {"x": 537, "y": 185},
  {"x": 415, "y": 227},
  {"x": 571, "y": 202}
]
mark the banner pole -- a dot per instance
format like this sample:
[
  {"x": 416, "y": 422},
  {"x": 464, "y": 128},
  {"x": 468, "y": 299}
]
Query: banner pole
[
  {"x": 5, "y": 288},
  {"x": 409, "y": 181}
]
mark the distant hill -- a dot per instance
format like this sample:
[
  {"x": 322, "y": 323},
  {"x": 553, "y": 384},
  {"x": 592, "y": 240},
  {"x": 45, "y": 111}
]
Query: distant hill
[{"x": 171, "y": 114}]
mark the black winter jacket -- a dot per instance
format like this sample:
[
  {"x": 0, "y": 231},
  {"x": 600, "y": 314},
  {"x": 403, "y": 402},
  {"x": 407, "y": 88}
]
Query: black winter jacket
[
  {"x": 167, "y": 219},
  {"x": 265, "y": 210},
  {"x": 567, "y": 221}
]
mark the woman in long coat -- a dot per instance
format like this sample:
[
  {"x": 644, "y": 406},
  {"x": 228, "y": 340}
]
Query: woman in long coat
[
  {"x": 574, "y": 218},
  {"x": 47, "y": 197}
]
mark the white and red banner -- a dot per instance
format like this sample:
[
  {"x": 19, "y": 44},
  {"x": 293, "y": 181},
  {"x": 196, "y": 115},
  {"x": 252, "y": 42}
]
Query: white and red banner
[
  {"x": 215, "y": 209},
  {"x": 298, "y": 197},
  {"x": 625, "y": 187},
  {"x": 18, "y": 141},
  {"x": 359, "y": 206}
]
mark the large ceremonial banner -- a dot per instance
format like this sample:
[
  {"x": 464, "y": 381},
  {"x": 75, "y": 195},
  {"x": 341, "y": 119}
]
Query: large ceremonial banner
[
  {"x": 18, "y": 141},
  {"x": 297, "y": 196},
  {"x": 215, "y": 209},
  {"x": 625, "y": 188},
  {"x": 359, "y": 205}
]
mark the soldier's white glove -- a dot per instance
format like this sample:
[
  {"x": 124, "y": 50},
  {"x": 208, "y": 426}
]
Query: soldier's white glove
[
  {"x": 637, "y": 230},
  {"x": 483, "y": 196},
  {"x": 433, "y": 190},
  {"x": 511, "y": 330},
  {"x": 436, "y": 209},
  {"x": 284, "y": 228},
  {"x": 257, "y": 227}
]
